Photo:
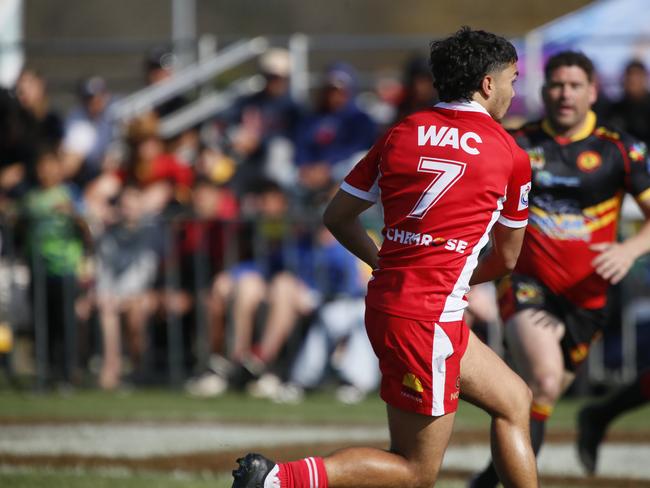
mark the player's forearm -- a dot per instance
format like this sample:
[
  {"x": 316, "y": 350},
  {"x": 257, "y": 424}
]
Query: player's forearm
[
  {"x": 353, "y": 236},
  {"x": 639, "y": 244},
  {"x": 491, "y": 267}
]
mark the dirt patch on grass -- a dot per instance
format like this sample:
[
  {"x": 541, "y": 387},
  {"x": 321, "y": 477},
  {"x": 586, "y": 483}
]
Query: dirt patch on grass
[{"x": 220, "y": 462}]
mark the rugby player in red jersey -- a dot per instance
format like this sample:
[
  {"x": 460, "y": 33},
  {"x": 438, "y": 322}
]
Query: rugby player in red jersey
[
  {"x": 554, "y": 302},
  {"x": 447, "y": 178}
]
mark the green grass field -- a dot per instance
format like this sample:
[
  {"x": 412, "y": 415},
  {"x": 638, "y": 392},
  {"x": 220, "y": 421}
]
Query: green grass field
[{"x": 165, "y": 405}]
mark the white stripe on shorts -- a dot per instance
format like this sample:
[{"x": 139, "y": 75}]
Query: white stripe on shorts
[{"x": 442, "y": 349}]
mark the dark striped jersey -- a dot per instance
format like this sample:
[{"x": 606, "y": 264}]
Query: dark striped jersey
[{"x": 578, "y": 185}]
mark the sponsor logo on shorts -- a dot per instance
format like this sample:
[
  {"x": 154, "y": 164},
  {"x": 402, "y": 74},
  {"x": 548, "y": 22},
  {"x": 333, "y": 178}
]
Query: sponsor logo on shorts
[
  {"x": 412, "y": 387},
  {"x": 454, "y": 395},
  {"x": 537, "y": 158},
  {"x": 589, "y": 161},
  {"x": 579, "y": 353},
  {"x": 529, "y": 293}
]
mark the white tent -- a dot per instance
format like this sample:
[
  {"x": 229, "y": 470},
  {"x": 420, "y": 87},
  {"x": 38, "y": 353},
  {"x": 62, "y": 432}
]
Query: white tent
[
  {"x": 11, "y": 35},
  {"x": 610, "y": 32}
]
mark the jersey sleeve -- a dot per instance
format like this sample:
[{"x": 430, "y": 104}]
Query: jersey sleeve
[
  {"x": 638, "y": 178},
  {"x": 363, "y": 180},
  {"x": 515, "y": 207}
]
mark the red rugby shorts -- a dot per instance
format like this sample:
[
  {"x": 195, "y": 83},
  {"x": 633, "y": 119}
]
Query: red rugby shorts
[{"x": 419, "y": 361}]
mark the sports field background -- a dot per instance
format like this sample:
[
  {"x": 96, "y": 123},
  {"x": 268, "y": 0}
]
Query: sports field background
[{"x": 68, "y": 422}]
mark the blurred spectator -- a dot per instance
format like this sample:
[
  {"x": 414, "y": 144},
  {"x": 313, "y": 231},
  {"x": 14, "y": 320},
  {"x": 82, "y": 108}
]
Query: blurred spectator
[
  {"x": 201, "y": 247},
  {"x": 331, "y": 138},
  {"x": 602, "y": 106},
  {"x": 26, "y": 123},
  {"x": 632, "y": 112},
  {"x": 127, "y": 265},
  {"x": 163, "y": 178},
  {"x": 273, "y": 260},
  {"x": 338, "y": 337},
  {"x": 419, "y": 92},
  {"x": 55, "y": 246},
  {"x": 31, "y": 91},
  {"x": 159, "y": 66},
  {"x": 89, "y": 132},
  {"x": 16, "y": 148},
  {"x": 264, "y": 126}
]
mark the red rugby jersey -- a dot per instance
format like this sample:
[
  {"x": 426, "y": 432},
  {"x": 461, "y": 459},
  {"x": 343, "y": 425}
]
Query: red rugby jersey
[{"x": 444, "y": 177}]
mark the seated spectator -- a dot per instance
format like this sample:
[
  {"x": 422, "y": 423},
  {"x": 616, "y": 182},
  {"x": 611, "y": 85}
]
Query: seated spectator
[
  {"x": 271, "y": 262},
  {"x": 631, "y": 113},
  {"x": 158, "y": 66},
  {"x": 333, "y": 136},
  {"x": 201, "y": 237},
  {"x": 163, "y": 178},
  {"x": 263, "y": 126},
  {"x": 89, "y": 132},
  {"x": 127, "y": 265},
  {"x": 338, "y": 337}
]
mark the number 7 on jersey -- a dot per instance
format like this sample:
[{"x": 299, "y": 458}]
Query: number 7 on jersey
[{"x": 446, "y": 174}]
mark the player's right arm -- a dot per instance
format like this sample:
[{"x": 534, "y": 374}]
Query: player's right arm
[
  {"x": 502, "y": 257},
  {"x": 342, "y": 219},
  {"x": 508, "y": 232}
]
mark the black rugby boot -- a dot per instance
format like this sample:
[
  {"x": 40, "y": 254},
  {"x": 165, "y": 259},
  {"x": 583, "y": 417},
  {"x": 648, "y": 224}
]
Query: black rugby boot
[{"x": 252, "y": 471}]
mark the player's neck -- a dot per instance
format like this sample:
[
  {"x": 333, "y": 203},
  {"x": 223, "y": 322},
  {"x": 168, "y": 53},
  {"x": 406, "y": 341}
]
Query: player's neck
[
  {"x": 573, "y": 133},
  {"x": 483, "y": 102}
]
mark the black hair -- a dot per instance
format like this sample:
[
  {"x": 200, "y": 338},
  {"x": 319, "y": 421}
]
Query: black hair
[
  {"x": 569, "y": 58},
  {"x": 262, "y": 185},
  {"x": 635, "y": 65},
  {"x": 460, "y": 62}
]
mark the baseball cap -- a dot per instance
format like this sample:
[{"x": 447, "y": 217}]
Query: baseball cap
[
  {"x": 275, "y": 62},
  {"x": 159, "y": 58},
  {"x": 340, "y": 75},
  {"x": 93, "y": 86}
]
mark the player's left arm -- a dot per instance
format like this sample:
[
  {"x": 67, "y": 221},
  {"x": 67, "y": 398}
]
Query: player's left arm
[{"x": 616, "y": 258}]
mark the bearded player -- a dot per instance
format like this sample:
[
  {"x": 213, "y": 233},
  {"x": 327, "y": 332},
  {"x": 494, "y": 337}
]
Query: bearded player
[{"x": 554, "y": 303}]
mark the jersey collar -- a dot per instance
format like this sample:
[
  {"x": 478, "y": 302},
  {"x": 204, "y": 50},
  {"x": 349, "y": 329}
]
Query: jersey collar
[
  {"x": 463, "y": 106},
  {"x": 585, "y": 131}
]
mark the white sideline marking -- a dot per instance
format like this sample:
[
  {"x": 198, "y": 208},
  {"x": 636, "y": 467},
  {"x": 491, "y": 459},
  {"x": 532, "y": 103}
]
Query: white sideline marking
[{"x": 143, "y": 440}]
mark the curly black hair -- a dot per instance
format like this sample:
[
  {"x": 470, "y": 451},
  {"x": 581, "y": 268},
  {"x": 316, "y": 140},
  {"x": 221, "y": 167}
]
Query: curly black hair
[
  {"x": 569, "y": 58},
  {"x": 460, "y": 62}
]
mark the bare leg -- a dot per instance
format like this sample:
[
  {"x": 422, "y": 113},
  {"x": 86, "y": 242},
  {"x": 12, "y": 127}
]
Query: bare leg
[
  {"x": 109, "y": 376},
  {"x": 418, "y": 444},
  {"x": 216, "y": 307},
  {"x": 533, "y": 338},
  {"x": 250, "y": 290},
  {"x": 488, "y": 383},
  {"x": 288, "y": 299},
  {"x": 138, "y": 310}
]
